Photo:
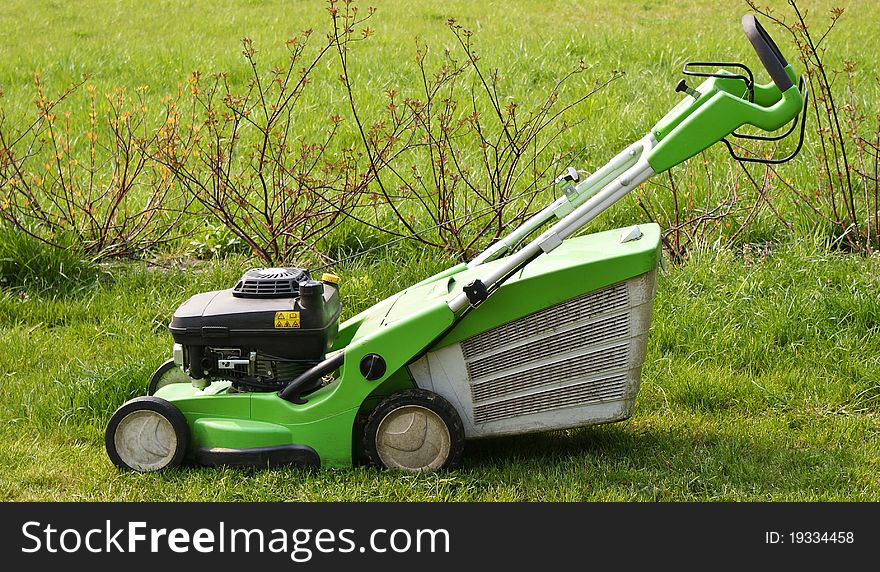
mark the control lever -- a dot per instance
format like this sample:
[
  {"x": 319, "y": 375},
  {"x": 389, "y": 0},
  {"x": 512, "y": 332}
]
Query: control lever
[{"x": 683, "y": 87}]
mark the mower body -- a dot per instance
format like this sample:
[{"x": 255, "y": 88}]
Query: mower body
[{"x": 560, "y": 344}]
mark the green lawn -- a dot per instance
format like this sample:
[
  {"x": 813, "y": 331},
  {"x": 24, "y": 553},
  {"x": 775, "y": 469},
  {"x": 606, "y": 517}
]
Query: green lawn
[{"x": 762, "y": 379}]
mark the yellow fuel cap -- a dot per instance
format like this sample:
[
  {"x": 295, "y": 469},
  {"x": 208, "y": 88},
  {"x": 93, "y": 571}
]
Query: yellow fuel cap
[{"x": 331, "y": 278}]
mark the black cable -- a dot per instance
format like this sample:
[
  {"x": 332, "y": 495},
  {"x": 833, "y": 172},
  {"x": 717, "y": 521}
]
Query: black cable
[{"x": 792, "y": 155}]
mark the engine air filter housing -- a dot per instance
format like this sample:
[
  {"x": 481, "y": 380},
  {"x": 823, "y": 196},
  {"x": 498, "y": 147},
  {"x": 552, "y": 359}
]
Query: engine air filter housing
[{"x": 270, "y": 283}]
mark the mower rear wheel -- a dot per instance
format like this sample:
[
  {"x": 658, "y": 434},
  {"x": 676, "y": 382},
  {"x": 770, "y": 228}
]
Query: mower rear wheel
[
  {"x": 147, "y": 434},
  {"x": 414, "y": 430},
  {"x": 168, "y": 373}
]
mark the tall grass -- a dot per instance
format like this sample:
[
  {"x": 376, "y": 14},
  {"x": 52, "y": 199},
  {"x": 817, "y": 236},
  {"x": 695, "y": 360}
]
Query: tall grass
[{"x": 28, "y": 265}]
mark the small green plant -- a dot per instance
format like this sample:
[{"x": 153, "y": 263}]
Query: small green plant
[{"x": 217, "y": 241}]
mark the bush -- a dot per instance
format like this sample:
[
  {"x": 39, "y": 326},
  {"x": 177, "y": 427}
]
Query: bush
[
  {"x": 846, "y": 157},
  {"x": 86, "y": 176},
  {"x": 455, "y": 160},
  {"x": 245, "y": 158}
]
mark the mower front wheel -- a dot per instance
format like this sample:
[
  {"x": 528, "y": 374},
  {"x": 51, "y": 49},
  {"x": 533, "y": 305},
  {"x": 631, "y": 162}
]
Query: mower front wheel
[
  {"x": 168, "y": 373},
  {"x": 147, "y": 434},
  {"x": 414, "y": 430}
]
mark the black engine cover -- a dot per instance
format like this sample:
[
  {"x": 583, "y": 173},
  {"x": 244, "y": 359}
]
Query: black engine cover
[{"x": 301, "y": 327}]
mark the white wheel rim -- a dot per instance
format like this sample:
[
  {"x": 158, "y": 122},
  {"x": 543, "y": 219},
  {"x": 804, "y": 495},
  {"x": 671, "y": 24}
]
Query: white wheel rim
[
  {"x": 413, "y": 438},
  {"x": 145, "y": 440},
  {"x": 173, "y": 375}
]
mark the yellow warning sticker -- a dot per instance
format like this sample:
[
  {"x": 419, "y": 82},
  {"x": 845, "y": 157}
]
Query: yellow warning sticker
[{"x": 286, "y": 319}]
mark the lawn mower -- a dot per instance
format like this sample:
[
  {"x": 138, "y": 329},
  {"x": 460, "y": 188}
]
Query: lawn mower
[{"x": 536, "y": 333}]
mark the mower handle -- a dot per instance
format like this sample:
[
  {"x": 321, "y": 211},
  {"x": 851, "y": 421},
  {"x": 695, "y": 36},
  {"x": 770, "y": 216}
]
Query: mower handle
[{"x": 768, "y": 52}]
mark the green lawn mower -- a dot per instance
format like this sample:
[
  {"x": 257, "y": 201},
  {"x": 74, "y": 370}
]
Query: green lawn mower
[{"x": 531, "y": 335}]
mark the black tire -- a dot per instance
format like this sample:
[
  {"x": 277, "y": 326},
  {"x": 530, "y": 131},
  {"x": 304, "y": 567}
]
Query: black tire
[
  {"x": 408, "y": 409},
  {"x": 168, "y": 373},
  {"x": 143, "y": 417}
]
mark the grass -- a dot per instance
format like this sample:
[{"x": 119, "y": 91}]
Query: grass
[
  {"x": 762, "y": 379},
  {"x": 762, "y": 382},
  {"x": 28, "y": 264}
]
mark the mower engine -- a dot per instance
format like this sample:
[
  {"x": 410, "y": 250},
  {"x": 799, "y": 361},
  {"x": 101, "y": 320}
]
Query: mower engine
[{"x": 273, "y": 325}]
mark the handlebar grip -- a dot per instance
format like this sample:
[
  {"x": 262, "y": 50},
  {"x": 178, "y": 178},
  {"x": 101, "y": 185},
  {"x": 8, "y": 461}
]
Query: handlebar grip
[{"x": 767, "y": 51}]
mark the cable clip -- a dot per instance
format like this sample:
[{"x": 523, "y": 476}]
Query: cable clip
[
  {"x": 566, "y": 181},
  {"x": 476, "y": 292}
]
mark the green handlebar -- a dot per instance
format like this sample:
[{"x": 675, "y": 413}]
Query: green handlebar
[{"x": 720, "y": 105}]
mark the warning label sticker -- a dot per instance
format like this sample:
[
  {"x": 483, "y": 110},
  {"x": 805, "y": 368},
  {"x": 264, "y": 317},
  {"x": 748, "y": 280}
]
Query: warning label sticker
[{"x": 286, "y": 319}]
